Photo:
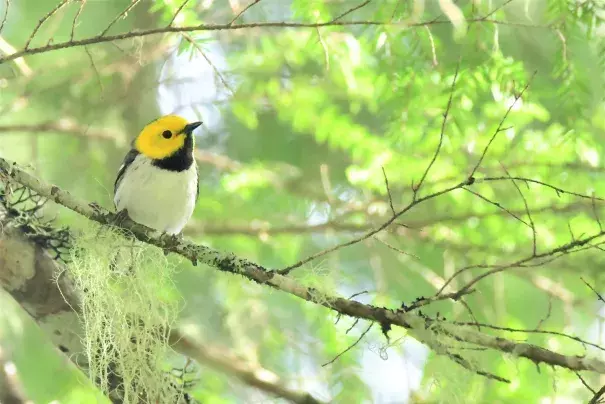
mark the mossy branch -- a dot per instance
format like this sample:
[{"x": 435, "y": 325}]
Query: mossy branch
[{"x": 425, "y": 330}]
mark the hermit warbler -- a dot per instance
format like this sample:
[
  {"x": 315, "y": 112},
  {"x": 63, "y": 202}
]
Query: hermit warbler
[{"x": 157, "y": 184}]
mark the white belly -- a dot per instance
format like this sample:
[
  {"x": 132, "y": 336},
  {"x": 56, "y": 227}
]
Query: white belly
[{"x": 161, "y": 199}]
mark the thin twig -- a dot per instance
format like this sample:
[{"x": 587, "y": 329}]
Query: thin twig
[
  {"x": 386, "y": 183},
  {"x": 500, "y": 128},
  {"x": 530, "y": 331},
  {"x": 350, "y": 346},
  {"x": 596, "y": 214},
  {"x": 594, "y": 290},
  {"x": 7, "y": 4},
  {"x": 349, "y": 11},
  {"x": 214, "y": 68},
  {"x": 74, "y": 22},
  {"x": 495, "y": 10},
  {"x": 42, "y": 21},
  {"x": 547, "y": 316},
  {"x": 94, "y": 67},
  {"x": 441, "y": 134},
  {"x": 176, "y": 14},
  {"x": 597, "y": 397},
  {"x": 372, "y": 232},
  {"x": 496, "y": 204},
  {"x": 395, "y": 248},
  {"x": 593, "y": 391},
  {"x": 465, "y": 364},
  {"x": 549, "y": 255},
  {"x": 558, "y": 190},
  {"x": 527, "y": 211},
  {"x": 121, "y": 15},
  {"x": 352, "y": 326},
  {"x": 248, "y": 7}
]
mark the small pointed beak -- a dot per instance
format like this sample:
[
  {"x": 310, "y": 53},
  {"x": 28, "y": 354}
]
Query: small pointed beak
[{"x": 191, "y": 127}]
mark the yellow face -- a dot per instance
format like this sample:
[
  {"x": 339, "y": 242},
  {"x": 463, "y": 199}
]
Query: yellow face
[{"x": 162, "y": 137}]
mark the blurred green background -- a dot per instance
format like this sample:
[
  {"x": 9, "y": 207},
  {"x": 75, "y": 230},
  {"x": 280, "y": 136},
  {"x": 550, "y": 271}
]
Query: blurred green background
[{"x": 298, "y": 125}]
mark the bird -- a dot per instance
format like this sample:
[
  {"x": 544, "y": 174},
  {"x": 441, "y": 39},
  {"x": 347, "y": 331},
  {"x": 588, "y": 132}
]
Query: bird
[{"x": 157, "y": 184}]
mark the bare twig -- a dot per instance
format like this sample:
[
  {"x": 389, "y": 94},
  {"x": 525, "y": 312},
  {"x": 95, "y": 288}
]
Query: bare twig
[
  {"x": 352, "y": 326},
  {"x": 547, "y": 316},
  {"x": 372, "y": 232},
  {"x": 248, "y": 7},
  {"x": 594, "y": 290},
  {"x": 123, "y": 14},
  {"x": 222, "y": 27},
  {"x": 558, "y": 190},
  {"x": 42, "y": 21},
  {"x": 530, "y": 331},
  {"x": 465, "y": 364},
  {"x": 500, "y": 128},
  {"x": 349, "y": 11},
  {"x": 94, "y": 67},
  {"x": 201, "y": 51},
  {"x": 593, "y": 391},
  {"x": 415, "y": 199},
  {"x": 496, "y": 204},
  {"x": 441, "y": 134},
  {"x": 400, "y": 251},
  {"x": 596, "y": 214},
  {"x": 495, "y": 10},
  {"x": 555, "y": 253},
  {"x": 75, "y": 21},
  {"x": 386, "y": 183},
  {"x": 7, "y": 4},
  {"x": 178, "y": 11},
  {"x": 597, "y": 397},
  {"x": 350, "y": 346},
  {"x": 527, "y": 211}
]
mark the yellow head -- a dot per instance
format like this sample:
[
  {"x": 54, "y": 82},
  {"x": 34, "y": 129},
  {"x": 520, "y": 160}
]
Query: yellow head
[{"x": 165, "y": 136}]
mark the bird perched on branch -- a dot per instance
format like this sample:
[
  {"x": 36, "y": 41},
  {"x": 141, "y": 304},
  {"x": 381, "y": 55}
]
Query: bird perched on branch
[{"x": 157, "y": 184}]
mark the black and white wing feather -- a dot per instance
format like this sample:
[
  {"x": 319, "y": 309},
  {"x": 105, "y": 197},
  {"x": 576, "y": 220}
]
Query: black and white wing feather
[{"x": 130, "y": 156}]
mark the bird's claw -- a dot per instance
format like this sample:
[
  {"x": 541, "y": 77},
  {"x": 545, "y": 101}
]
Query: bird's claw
[
  {"x": 119, "y": 218},
  {"x": 96, "y": 207},
  {"x": 171, "y": 240}
]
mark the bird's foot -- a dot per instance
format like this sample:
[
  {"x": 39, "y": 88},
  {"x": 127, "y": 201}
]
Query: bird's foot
[
  {"x": 171, "y": 240},
  {"x": 119, "y": 218}
]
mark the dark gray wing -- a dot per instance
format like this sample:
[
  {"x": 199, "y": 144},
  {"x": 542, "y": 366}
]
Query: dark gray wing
[
  {"x": 197, "y": 179},
  {"x": 130, "y": 156}
]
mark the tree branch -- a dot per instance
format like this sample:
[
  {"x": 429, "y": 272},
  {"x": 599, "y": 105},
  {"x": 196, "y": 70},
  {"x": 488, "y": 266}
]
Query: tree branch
[
  {"x": 222, "y": 27},
  {"x": 428, "y": 331}
]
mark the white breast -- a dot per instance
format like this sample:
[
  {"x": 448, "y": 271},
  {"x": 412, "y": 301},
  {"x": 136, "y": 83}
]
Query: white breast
[{"x": 161, "y": 199}]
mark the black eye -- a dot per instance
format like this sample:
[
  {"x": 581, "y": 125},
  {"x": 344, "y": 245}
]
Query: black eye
[{"x": 167, "y": 134}]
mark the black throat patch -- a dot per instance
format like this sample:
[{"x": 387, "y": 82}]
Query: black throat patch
[{"x": 179, "y": 161}]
